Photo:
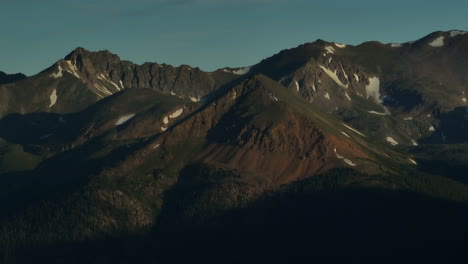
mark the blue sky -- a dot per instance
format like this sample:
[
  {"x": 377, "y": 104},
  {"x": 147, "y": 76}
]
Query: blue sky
[{"x": 208, "y": 34}]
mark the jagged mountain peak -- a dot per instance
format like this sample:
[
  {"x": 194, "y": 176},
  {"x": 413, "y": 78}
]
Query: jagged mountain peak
[{"x": 82, "y": 52}]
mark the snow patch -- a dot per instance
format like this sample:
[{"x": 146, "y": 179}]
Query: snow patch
[
  {"x": 396, "y": 45},
  {"x": 124, "y": 119},
  {"x": 53, "y": 98},
  {"x": 431, "y": 128},
  {"x": 339, "y": 45},
  {"x": 102, "y": 91},
  {"x": 455, "y": 33},
  {"x": 392, "y": 141},
  {"x": 106, "y": 78},
  {"x": 297, "y": 85},
  {"x": 414, "y": 142},
  {"x": 313, "y": 87},
  {"x": 163, "y": 129},
  {"x": 347, "y": 96},
  {"x": 412, "y": 161},
  {"x": 176, "y": 113},
  {"x": 234, "y": 95},
  {"x": 58, "y": 74},
  {"x": 408, "y": 118},
  {"x": 330, "y": 60},
  {"x": 334, "y": 76},
  {"x": 464, "y": 99},
  {"x": 376, "y": 113},
  {"x": 356, "y": 77},
  {"x": 121, "y": 84},
  {"x": 173, "y": 115},
  {"x": 193, "y": 99},
  {"x": 345, "y": 134},
  {"x": 438, "y": 42},
  {"x": 73, "y": 69},
  {"x": 156, "y": 146},
  {"x": 352, "y": 129},
  {"x": 242, "y": 71},
  {"x": 330, "y": 49},
  {"x": 344, "y": 72},
  {"x": 327, "y": 96},
  {"x": 338, "y": 155},
  {"x": 347, "y": 161},
  {"x": 172, "y": 93},
  {"x": 373, "y": 89}
]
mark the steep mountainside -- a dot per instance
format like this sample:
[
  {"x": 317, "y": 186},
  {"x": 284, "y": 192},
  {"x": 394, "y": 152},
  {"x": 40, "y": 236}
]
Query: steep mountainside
[
  {"x": 83, "y": 78},
  {"x": 405, "y": 91},
  {"x": 325, "y": 149}
]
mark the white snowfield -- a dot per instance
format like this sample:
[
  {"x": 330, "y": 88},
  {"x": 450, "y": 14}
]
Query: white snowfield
[
  {"x": 177, "y": 113},
  {"x": 72, "y": 69},
  {"x": 330, "y": 49},
  {"x": 172, "y": 115},
  {"x": 356, "y": 77},
  {"x": 58, "y": 74},
  {"x": 347, "y": 161},
  {"x": 102, "y": 91},
  {"x": 438, "y": 42},
  {"x": 455, "y": 33},
  {"x": 376, "y": 113},
  {"x": 396, "y": 45},
  {"x": 347, "y": 96},
  {"x": 107, "y": 79},
  {"x": 124, "y": 119},
  {"x": 296, "y": 84},
  {"x": 334, "y": 76},
  {"x": 53, "y": 98},
  {"x": 373, "y": 89},
  {"x": 339, "y": 45},
  {"x": 354, "y": 130},
  {"x": 242, "y": 71},
  {"x": 392, "y": 141}
]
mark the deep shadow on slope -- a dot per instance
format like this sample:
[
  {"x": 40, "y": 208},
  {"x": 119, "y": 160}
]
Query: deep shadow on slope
[
  {"x": 453, "y": 128},
  {"x": 332, "y": 225}
]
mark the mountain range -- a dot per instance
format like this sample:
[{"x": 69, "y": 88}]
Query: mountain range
[{"x": 323, "y": 150}]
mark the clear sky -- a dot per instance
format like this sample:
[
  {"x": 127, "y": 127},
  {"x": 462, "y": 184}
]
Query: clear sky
[{"x": 209, "y": 34}]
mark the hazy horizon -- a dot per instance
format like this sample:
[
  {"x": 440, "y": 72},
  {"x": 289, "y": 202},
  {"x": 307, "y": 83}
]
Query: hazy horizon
[{"x": 205, "y": 33}]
